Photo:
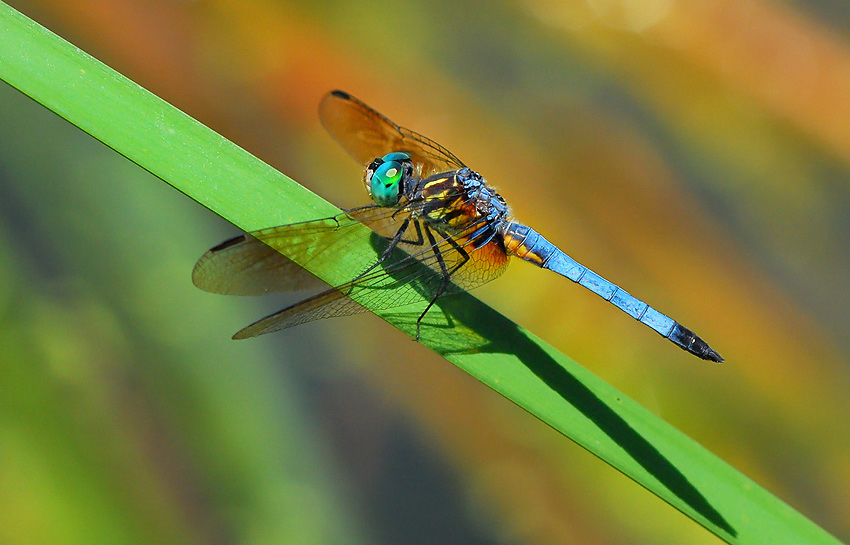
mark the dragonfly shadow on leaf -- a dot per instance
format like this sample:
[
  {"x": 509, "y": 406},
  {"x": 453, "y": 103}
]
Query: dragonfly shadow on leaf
[{"x": 465, "y": 325}]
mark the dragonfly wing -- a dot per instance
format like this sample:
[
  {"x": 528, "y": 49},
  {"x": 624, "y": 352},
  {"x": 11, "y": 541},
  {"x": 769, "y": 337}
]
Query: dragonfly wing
[
  {"x": 400, "y": 282},
  {"x": 404, "y": 278},
  {"x": 245, "y": 265},
  {"x": 328, "y": 304},
  {"x": 417, "y": 269},
  {"x": 320, "y": 242},
  {"x": 366, "y": 134},
  {"x": 252, "y": 265}
]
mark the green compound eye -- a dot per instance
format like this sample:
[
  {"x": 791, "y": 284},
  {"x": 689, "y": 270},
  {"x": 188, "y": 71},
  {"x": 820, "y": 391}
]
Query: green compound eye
[{"x": 386, "y": 179}]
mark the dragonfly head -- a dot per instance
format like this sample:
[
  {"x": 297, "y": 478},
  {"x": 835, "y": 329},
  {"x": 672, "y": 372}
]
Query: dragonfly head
[{"x": 386, "y": 177}]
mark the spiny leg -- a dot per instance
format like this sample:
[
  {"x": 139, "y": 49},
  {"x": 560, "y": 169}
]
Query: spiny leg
[
  {"x": 390, "y": 247},
  {"x": 420, "y": 240},
  {"x": 446, "y": 274}
]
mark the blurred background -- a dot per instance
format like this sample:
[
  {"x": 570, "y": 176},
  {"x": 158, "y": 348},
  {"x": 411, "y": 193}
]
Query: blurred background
[{"x": 697, "y": 153}]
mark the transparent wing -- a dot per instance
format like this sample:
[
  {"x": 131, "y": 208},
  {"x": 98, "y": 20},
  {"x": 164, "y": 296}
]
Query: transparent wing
[
  {"x": 246, "y": 266},
  {"x": 365, "y": 134},
  {"x": 416, "y": 270},
  {"x": 252, "y": 265}
]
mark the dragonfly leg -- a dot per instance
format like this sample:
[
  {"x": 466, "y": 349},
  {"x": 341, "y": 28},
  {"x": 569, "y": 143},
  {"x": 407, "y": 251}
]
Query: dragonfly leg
[
  {"x": 444, "y": 270},
  {"x": 420, "y": 240},
  {"x": 393, "y": 242}
]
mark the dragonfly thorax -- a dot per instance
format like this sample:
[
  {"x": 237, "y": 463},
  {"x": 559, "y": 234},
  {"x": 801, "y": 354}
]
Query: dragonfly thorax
[
  {"x": 488, "y": 204},
  {"x": 461, "y": 202}
]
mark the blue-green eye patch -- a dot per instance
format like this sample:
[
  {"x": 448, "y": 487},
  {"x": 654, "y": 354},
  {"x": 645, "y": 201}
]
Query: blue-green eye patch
[{"x": 387, "y": 176}]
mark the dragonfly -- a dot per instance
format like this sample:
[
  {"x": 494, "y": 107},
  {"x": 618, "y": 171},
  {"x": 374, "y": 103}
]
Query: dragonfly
[{"x": 454, "y": 232}]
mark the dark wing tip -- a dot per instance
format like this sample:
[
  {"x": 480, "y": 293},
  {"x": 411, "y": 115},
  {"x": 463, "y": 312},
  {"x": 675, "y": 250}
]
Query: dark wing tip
[
  {"x": 340, "y": 94},
  {"x": 228, "y": 243},
  {"x": 203, "y": 273}
]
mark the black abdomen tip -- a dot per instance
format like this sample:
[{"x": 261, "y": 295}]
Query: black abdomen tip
[{"x": 688, "y": 340}]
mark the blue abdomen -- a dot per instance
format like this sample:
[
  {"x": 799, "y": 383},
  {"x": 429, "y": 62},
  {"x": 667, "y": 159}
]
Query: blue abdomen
[{"x": 526, "y": 243}]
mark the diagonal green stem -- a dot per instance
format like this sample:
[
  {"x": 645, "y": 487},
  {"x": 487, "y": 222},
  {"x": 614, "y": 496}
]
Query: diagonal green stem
[{"x": 252, "y": 195}]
